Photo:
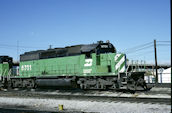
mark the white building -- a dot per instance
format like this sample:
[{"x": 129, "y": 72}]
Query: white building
[{"x": 164, "y": 76}]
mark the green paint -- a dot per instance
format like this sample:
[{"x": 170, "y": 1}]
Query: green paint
[
  {"x": 97, "y": 65},
  {"x": 4, "y": 69}
]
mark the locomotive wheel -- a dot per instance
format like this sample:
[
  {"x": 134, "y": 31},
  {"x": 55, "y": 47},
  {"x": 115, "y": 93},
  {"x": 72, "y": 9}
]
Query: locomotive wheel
[
  {"x": 141, "y": 84},
  {"x": 131, "y": 84},
  {"x": 82, "y": 86},
  {"x": 138, "y": 84}
]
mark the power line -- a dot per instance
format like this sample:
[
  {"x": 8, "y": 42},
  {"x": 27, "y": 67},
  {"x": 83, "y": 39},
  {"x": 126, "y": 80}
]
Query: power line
[
  {"x": 146, "y": 45},
  {"x": 139, "y": 49},
  {"x": 133, "y": 53},
  {"x": 136, "y": 47},
  {"x": 8, "y": 48},
  {"x": 143, "y": 53},
  {"x": 163, "y": 44},
  {"x": 163, "y": 41},
  {"x": 16, "y": 46}
]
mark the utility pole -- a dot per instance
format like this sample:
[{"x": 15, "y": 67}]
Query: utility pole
[
  {"x": 17, "y": 50},
  {"x": 156, "y": 67},
  {"x": 50, "y": 46}
]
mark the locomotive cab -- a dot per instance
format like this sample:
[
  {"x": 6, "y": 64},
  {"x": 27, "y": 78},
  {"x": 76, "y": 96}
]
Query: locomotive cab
[
  {"x": 105, "y": 48},
  {"x": 99, "y": 48}
]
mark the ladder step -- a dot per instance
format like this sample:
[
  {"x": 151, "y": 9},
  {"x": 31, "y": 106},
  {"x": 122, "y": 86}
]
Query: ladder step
[
  {"x": 123, "y": 87},
  {"x": 124, "y": 82}
]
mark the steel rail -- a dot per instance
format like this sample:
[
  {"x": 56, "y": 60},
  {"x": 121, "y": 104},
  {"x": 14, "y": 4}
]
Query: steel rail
[{"x": 84, "y": 96}]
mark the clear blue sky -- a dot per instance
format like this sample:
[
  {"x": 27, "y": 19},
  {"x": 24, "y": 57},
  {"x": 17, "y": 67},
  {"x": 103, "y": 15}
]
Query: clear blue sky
[{"x": 126, "y": 23}]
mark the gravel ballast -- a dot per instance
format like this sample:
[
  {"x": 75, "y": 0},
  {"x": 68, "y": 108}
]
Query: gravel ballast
[{"x": 83, "y": 105}]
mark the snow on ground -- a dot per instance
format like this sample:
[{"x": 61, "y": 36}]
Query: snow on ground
[{"x": 86, "y": 106}]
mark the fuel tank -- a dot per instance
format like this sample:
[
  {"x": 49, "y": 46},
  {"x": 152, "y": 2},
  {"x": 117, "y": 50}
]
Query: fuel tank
[{"x": 54, "y": 82}]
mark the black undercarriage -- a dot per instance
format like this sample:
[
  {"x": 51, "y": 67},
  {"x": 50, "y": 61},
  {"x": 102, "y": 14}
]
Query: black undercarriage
[{"x": 132, "y": 81}]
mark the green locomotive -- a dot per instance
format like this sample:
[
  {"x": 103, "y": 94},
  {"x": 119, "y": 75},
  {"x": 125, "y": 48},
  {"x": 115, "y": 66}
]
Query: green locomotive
[
  {"x": 92, "y": 66},
  {"x": 5, "y": 68}
]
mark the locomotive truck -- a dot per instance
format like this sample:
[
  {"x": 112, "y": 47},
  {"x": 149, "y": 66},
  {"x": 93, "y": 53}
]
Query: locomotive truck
[{"x": 86, "y": 66}]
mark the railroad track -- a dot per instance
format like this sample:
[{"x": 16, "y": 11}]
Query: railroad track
[
  {"x": 4, "y": 110},
  {"x": 103, "y": 96}
]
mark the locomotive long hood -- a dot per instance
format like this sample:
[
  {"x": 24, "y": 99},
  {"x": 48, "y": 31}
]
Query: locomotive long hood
[{"x": 98, "y": 48}]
